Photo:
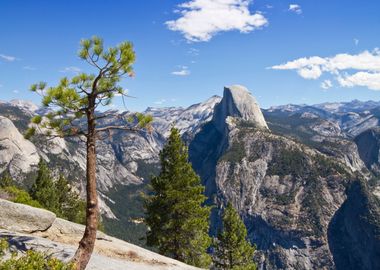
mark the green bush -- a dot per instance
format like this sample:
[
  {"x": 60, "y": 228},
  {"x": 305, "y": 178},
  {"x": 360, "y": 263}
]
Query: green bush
[
  {"x": 3, "y": 247},
  {"x": 21, "y": 196},
  {"x": 32, "y": 260}
]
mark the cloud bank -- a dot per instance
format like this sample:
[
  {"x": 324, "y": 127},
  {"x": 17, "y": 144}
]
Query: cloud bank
[
  {"x": 349, "y": 70},
  {"x": 200, "y": 20}
]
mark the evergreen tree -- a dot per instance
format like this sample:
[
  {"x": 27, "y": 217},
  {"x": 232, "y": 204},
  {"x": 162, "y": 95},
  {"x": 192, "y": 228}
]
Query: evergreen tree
[
  {"x": 177, "y": 220},
  {"x": 57, "y": 196},
  {"x": 70, "y": 206},
  {"x": 43, "y": 189},
  {"x": 232, "y": 250}
]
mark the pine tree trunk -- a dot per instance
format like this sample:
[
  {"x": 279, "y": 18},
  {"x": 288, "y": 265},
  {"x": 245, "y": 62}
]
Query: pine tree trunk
[{"x": 87, "y": 243}]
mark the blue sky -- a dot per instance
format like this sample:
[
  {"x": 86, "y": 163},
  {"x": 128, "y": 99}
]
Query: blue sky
[{"x": 283, "y": 51}]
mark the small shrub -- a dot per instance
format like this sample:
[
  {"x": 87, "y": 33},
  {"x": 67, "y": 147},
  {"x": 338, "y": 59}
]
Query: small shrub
[
  {"x": 34, "y": 260},
  {"x": 21, "y": 196},
  {"x": 31, "y": 260},
  {"x": 3, "y": 247}
]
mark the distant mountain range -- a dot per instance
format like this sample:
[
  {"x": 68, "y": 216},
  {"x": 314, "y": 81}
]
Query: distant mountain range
[{"x": 298, "y": 174}]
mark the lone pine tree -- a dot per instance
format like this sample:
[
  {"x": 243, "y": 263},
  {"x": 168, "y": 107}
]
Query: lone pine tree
[
  {"x": 175, "y": 214},
  {"x": 73, "y": 103},
  {"x": 231, "y": 248}
]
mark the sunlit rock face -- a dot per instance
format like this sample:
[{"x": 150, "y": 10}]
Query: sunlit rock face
[
  {"x": 238, "y": 103},
  {"x": 17, "y": 154},
  {"x": 287, "y": 183}
]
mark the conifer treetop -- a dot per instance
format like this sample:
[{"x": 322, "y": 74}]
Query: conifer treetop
[
  {"x": 232, "y": 250},
  {"x": 74, "y": 97}
]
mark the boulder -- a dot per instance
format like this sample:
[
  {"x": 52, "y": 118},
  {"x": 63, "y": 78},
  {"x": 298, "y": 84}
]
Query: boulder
[{"x": 24, "y": 218}]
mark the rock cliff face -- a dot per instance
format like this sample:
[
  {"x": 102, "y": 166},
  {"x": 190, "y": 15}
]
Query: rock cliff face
[
  {"x": 17, "y": 155},
  {"x": 287, "y": 192},
  {"x": 354, "y": 236},
  {"x": 368, "y": 143}
]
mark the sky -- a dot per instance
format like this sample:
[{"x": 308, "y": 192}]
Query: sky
[{"x": 306, "y": 51}]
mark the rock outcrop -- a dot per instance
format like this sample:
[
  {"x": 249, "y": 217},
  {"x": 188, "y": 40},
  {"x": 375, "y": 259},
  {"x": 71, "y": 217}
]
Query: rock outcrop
[
  {"x": 238, "y": 103},
  {"x": 59, "y": 238},
  {"x": 23, "y": 218},
  {"x": 17, "y": 154},
  {"x": 354, "y": 231}
]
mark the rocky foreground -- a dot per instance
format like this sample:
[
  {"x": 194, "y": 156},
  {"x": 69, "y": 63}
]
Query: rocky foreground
[{"x": 27, "y": 227}]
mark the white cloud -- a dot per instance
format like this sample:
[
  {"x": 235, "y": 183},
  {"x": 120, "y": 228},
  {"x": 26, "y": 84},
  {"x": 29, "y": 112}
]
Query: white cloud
[
  {"x": 16, "y": 91},
  {"x": 326, "y": 84},
  {"x": 7, "y": 58},
  {"x": 364, "y": 68},
  {"x": 310, "y": 72},
  {"x": 295, "y": 8},
  {"x": 183, "y": 71},
  {"x": 29, "y": 68},
  {"x": 202, "y": 19},
  {"x": 356, "y": 41},
  {"x": 366, "y": 79},
  {"x": 71, "y": 69}
]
